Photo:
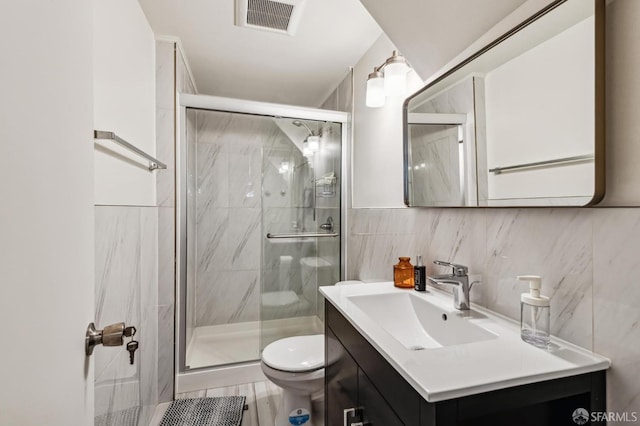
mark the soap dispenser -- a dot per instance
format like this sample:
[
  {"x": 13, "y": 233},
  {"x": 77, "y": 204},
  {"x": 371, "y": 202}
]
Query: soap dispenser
[{"x": 534, "y": 313}]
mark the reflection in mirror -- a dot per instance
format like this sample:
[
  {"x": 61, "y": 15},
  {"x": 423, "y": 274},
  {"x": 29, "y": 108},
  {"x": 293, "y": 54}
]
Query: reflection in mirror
[{"x": 517, "y": 124}]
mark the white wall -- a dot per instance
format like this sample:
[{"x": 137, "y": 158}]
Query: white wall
[
  {"x": 124, "y": 93},
  {"x": 377, "y": 136},
  {"x": 46, "y": 212},
  {"x": 564, "y": 125}
]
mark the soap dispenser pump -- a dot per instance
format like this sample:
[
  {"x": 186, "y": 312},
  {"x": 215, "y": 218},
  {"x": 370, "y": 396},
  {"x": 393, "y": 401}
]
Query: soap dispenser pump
[{"x": 534, "y": 313}]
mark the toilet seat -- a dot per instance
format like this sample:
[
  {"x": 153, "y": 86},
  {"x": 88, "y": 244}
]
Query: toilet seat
[{"x": 295, "y": 354}]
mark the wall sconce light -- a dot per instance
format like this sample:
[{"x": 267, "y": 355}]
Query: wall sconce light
[{"x": 388, "y": 79}]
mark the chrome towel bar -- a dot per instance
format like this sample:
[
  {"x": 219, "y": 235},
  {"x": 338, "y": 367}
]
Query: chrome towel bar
[
  {"x": 577, "y": 158},
  {"x": 154, "y": 163}
]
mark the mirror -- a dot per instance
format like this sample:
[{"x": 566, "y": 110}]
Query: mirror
[{"x": 519, "y": 123}]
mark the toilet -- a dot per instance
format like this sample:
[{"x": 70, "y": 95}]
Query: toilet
[{"x": 297, "y": 365}]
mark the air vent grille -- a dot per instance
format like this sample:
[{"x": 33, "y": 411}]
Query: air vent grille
[{"x": 269, "y": 14}]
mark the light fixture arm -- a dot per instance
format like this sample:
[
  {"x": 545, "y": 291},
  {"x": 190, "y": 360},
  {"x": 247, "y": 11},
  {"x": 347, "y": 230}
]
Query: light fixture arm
[{"x": 394, "y": 58}]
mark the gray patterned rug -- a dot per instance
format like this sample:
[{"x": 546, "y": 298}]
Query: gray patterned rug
[{"x": 218, "y": 411}]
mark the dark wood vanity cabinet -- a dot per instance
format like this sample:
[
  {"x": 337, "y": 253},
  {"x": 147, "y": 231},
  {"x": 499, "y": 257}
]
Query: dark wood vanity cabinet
[{"x": 359, "y": 377}]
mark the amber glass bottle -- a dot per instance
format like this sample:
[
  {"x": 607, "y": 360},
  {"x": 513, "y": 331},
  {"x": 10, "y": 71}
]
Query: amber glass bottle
[{"x": 403, "y": 273}]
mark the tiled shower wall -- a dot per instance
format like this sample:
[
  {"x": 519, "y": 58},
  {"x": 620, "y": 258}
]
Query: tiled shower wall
[
  {"x": 227, "y": 203},
  {"x": 171, "y": 77}
]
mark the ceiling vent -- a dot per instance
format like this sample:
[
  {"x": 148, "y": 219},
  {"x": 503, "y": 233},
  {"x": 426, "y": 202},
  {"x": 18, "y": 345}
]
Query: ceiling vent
[{"x": 277, "y": 16}]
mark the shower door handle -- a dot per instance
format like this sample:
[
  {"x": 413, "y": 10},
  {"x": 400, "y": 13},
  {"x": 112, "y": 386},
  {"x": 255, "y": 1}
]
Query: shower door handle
[{"x": 303, "y": 235}]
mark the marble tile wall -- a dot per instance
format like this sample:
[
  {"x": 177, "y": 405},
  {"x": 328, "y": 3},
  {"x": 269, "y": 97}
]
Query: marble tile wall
[
  {"x": 172, "y": 77},
  {"x": 228, "y": 232},
  {"x": 587, "y": 258},
  {"x": 126, "y": 280}
]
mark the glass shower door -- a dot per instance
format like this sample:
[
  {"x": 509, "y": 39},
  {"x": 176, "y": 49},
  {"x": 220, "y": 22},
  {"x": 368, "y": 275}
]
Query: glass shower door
[
  {"x": 301, "y": 226},
  {"x": 245, "y": 176},
  {"x": 224, "y": 158}
]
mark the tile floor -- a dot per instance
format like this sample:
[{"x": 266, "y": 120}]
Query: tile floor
[{"x": 262, "y": 398}]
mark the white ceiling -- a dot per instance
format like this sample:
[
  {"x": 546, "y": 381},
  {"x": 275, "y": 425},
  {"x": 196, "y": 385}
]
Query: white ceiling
[
  {"x": 247, "y": 63},
  {"x": 430, "y": 33}
]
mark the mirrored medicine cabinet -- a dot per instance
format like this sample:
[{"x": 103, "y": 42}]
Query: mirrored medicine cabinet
[{"x": 519, "y": 123}]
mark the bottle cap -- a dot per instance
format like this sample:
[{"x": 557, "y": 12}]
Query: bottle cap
[
  {"x": 419, "y": 261},
  {"x": 533, "y": 297}
]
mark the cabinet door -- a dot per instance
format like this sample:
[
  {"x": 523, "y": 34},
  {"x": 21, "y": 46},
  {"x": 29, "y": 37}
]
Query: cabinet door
[
  {"x": 341, "y": 381},
  {"x": 377, "y": 412}
]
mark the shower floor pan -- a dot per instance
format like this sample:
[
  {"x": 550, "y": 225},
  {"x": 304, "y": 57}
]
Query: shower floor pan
[{"x": 217, "y": 345}]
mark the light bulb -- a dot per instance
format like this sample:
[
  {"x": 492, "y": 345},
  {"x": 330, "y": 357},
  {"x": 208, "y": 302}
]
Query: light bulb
[
  {"x": 375, "y": 90},
  {"x": 395, "y": 75}
]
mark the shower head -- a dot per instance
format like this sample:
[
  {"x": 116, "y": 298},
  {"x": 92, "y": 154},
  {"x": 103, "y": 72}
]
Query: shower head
[{"x": 299, "y": 123}]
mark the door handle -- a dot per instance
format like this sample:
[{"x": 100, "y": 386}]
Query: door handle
[
  {"x": 351, "y": 412},
  {"x": 111, "y": 335}
]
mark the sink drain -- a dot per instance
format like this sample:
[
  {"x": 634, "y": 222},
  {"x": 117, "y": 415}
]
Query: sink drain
[{"x": 417, "y": 348}]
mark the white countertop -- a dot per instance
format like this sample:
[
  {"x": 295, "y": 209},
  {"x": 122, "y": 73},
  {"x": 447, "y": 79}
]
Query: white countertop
[{"x": 448, "y": 372}]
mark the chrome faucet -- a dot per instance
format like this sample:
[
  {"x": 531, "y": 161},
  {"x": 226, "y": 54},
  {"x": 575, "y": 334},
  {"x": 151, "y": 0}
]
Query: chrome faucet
[{"x": 460, "y": 282}]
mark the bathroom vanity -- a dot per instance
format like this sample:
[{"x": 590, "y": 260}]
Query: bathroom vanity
[{"x": 397, "y": 357}]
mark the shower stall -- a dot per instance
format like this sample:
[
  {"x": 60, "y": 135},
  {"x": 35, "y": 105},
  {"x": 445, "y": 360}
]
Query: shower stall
[{"x": 259, "y": 226}]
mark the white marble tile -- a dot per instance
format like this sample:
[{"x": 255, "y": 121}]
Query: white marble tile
[
  {"x": 117, "y": 240},
  {"x": 212, "y": 176},
  {"x": 165, "y": 152},
  {"x": 126, "y": 290},
  {"x": 147, "y": 329},
  {"x": 556, "y": 244},
  {"x": 225, "y": 297},
  {"x": 211, "y": 252},
  {"x": 243, "y": 238},
  {"x": 245, "y": 175},
  {"x": 387, "y": 221},
  {"x": 165, "y": 74},
  {"x": 166, "y": 320},
  {"x": 166, "y": 255},
  {"x": 456, "y": 236},
  {"x": 616, "y": 298}
]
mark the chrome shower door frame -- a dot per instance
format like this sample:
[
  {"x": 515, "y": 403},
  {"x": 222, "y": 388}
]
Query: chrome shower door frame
[{"x": 230, "y": 105}]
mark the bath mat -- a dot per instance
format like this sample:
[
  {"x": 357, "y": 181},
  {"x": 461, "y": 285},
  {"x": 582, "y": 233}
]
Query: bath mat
[{"x": 218, "y": 411}]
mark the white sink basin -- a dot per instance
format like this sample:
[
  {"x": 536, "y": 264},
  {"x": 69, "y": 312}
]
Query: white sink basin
[
  {"x": 418, "y": 324},
  {"x": 468, "y": 353}
]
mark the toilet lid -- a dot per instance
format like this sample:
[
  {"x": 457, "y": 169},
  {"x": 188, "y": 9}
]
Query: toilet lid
[{"x": 299, "y": 353}]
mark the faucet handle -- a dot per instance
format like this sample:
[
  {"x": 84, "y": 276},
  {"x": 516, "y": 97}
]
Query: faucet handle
[{"x": 458, "y": 270}]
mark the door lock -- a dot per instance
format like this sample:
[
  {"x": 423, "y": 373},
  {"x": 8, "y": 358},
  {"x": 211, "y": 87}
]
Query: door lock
[{"x": 111, "y": 335}]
